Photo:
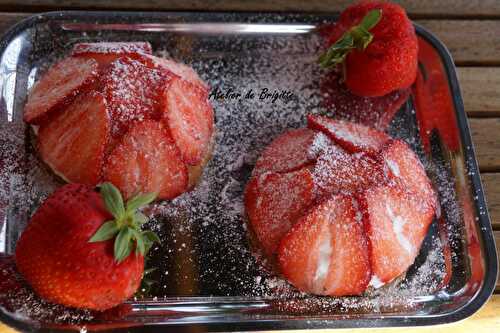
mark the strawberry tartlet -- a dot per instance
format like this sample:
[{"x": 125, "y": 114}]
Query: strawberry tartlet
[
  {"x": 341, "y": 207},
  {"x": 114, "y": 112}
]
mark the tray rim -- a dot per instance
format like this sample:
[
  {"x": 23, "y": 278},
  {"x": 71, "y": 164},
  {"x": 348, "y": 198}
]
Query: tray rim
[{"x": 484, "y": 223}]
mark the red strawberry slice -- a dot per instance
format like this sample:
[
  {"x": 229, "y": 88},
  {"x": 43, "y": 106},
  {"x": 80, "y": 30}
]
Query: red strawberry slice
[
  {"x": 350, "y": 136},
  {"x": 106, "y": 53},
  {"x": 73, "y": 142},
  {"x": 401, "y": 163},
  {"x": 326, "y": 251},
  {"x": 147, "y": 160},
  {"x": 291, "y": 151},
  {"x": 133, "y": 91},
  {"x": 376, "y": 112},
  {"x": 190, "y": 119},
  {"x": 274, "y": 202},
  {"x": 182, "y": 70},
  {"x": 397, "y": 222},
  {"x": 58, "y": 87},
  {"x": 338, "y": 171}
]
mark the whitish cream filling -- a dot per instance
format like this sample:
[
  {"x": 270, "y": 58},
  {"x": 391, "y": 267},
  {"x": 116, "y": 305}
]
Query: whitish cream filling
[
  {"x": 324, "y": 255},
  {"x": 375, "y": 282},
  {"x": 397, "y": 226}
]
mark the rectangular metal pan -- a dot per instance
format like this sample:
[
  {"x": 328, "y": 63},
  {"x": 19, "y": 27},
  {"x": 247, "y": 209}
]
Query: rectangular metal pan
[{"x": 208, "y": 276}]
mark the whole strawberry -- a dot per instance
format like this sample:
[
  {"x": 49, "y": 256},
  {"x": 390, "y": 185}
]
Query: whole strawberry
[
  {"x": 378, "y": 46},
  {"x": 84, "y": 248}
]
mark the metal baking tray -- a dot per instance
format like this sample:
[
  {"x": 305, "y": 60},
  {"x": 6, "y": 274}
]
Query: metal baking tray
[{"x": 208, "y": 275}]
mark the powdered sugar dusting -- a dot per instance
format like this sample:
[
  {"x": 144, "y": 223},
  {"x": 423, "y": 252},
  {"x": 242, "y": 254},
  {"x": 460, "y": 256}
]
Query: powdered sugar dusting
[
  {"x": 112, "y": 47},
  {"x": 132, "y": 89}
]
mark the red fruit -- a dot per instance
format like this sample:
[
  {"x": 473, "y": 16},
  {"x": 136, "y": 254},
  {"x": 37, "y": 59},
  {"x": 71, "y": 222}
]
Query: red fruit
[
  {"x": 376, "y": 112},
  {"x": 190, "y": 119},
  {"x": 389, "y": 62},
  {"x": 73, "y": 141},
  {"x": 147, "y": 160},
  {"x": 133, "y": 91},
  {"x": 397, "y": 222},
  {"x": 291, "y": 151},
  {"x": 107, "y": 52},
  {"x": 182, "y": 70},
  {"x": 404, "y": 166},
  {"x": 274, "y": 202},
  {"x": 326, "y": 251},
  {"x": 58, "y": 87},
  {"x": 56, "y": 258},
  {"x": 350, "y": 136},
  {"x": 338, "y": 171}
]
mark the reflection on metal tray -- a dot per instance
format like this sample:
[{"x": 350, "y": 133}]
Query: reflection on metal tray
[{"x": 209, "y": 276}]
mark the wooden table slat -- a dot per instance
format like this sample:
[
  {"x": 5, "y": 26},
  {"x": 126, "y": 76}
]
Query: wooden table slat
[
  {"x": 486, "y": 139},
  {"x": 416, "y": 8},
  {"x": 471, "y": 42},
  {"x": 491, "y": 183},
  {"x": 480, "y": 88},
  {"x": 7, "y": 20}
]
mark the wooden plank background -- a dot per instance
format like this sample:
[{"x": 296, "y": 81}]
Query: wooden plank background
[
  {"x": 416, "y": 8},
  {"x": 470, "y": 30}
]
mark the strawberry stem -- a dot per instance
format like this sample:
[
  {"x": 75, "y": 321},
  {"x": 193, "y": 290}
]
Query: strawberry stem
[
  {"x": 358, "y": 37},
  {"x": 125, "y": 228}
]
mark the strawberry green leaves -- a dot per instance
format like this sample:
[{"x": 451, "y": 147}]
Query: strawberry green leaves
[
  {"x": 123, "y": 244},
  {"x": 126, "y": 225},
  {"x": 358, "y": 37},
  {"x": 107, "y": 231},
  {"x": 112, "y": 199},
  {"x": 140, "y": 200}
]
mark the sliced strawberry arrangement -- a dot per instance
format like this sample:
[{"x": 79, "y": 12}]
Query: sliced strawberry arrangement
[
  {"x": 376, "y": 112},
  {"x": 147, "y": 160},
  {"x": 190, "y": 119},
  {"x": 326, "y": 252},
  {"x": 58, "y": 87},
  {"x": 184, "y": 71},
  {"x": 397, "y": 223},
  {"x": 274, "y": 202},
  {"x": 290, "y": 151},
  {"x": 106, "y": 53},
  {"x": 73, "y": 142},
  {"x": 376, "y": 202},
  {"x": 350, "y": 136},
  {"x": 338, "y": 171},
  {"x": 402, "y": 163},
  {"x": 133, "y": 91},
  {"x": 116, "y": 86}
]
